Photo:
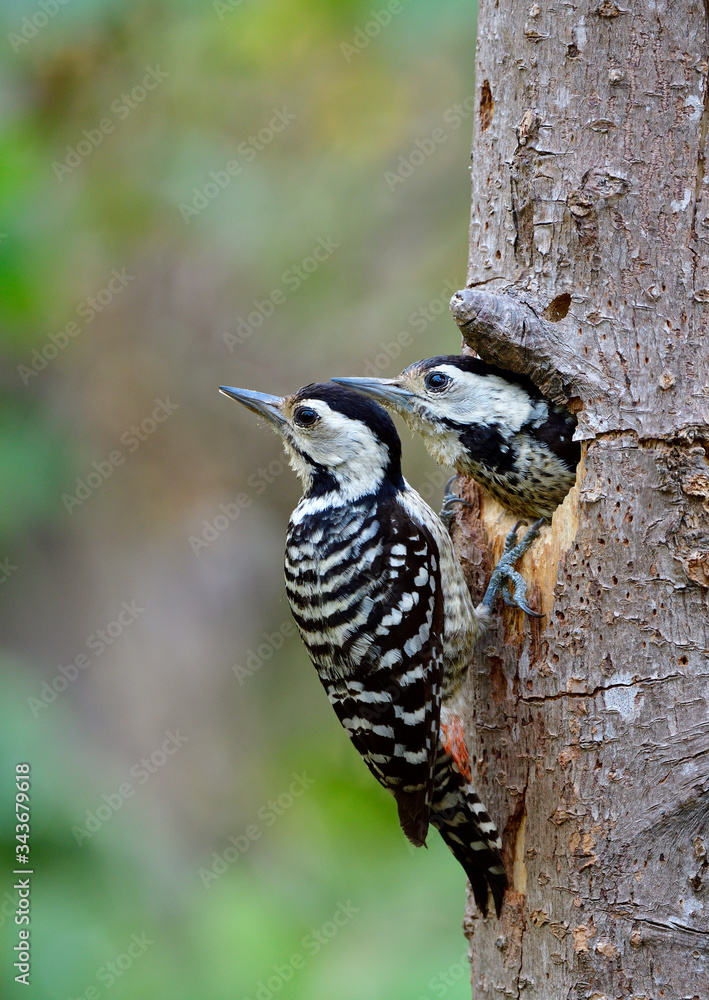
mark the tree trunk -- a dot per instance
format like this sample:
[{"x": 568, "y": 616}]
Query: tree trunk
[{"x": 589, "y": 271}]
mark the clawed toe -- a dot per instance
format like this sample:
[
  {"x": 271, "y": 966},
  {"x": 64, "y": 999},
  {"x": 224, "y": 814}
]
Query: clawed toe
[
  {"x": 518, "y": 598},
  {"x": 449, "y": 498},
  {"x": 504, "y": 575}
]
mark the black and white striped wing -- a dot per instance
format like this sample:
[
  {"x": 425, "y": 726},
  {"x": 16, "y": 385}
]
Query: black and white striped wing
[{"x": 390, "y": 702}]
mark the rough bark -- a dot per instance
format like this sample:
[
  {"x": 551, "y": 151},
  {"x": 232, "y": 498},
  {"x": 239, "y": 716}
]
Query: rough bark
[{"x": 589, "y": 271}]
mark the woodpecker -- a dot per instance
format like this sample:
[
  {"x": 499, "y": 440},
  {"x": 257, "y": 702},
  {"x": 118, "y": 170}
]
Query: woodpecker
[
  {"x": 383, "y": 609},
  {"x": 490, "y": 424}
]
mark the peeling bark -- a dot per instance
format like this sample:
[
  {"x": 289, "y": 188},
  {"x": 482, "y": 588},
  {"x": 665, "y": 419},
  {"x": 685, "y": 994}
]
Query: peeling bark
[{"x": 589, "y": 271}]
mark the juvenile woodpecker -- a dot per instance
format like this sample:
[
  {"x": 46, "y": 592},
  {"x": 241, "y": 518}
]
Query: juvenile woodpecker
[
  {"x": 382, "y": 606},
  {"x": 490, "y": 424}
]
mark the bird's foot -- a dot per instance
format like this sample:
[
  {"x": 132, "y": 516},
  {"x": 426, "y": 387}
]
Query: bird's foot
[
  {"x": 449, "y": 498},
  {"x": 505, "y": 577}
]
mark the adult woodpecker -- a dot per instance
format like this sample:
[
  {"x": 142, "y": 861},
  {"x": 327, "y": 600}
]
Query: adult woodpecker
[
  {"x": 382, "y": 606},
  {"x": 487, "y": 423}
]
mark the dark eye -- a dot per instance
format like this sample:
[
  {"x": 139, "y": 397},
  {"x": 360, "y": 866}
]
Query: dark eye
[
  {"x": 437, "y": 380},
  {"x": 305, "y": 416}
]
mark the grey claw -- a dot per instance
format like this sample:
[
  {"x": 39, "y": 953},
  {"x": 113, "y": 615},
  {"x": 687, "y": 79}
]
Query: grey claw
[
  {"x": 519, "y": 598},
  {"x": 511, "y": 539},
  {"x": 449, "y": 498},
  {"x": 505, "y": 574},
  {"x": 447, "y": 491},
  {"x": 446, "y": 516}
]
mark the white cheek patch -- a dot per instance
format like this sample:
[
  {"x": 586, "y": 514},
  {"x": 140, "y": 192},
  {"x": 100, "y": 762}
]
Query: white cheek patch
[
  {"x": 346, "y": 447},
  {"x": 482, "y": 399}
]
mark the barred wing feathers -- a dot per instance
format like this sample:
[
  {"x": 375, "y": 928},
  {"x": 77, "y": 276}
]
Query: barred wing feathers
[{"x": 372, "y": 621}]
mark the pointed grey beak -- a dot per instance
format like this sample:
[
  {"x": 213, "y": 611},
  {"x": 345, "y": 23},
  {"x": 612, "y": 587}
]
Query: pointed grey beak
[
  {"x": 261, "y": 403},
  {"x": 383, "y": 390}
]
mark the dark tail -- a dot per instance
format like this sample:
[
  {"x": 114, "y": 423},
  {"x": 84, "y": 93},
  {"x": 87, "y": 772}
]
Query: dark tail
[{"x": 463, "y": 822}]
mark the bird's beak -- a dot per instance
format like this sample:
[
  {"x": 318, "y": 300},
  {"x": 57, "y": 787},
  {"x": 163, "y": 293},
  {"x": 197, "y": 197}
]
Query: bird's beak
[
  {"x": 269, "y": 407},
  {"x": 384, "y": 390}
]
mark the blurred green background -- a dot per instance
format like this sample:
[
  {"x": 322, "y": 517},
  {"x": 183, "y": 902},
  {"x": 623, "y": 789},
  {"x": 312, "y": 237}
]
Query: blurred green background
[{"x": 196, "y": 193}]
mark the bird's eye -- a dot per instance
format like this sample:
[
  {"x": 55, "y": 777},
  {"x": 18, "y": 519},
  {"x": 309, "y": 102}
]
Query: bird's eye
[
  {"x": 305, "y": 416},
  {"x": 437, "y": 380}
]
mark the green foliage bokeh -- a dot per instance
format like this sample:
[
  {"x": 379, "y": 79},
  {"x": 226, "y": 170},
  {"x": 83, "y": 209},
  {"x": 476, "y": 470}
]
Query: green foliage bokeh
[{"x": 116, "y": 293}]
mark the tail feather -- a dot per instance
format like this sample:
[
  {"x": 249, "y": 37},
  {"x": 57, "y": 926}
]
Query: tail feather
[{"x": 465, "y": 826}]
